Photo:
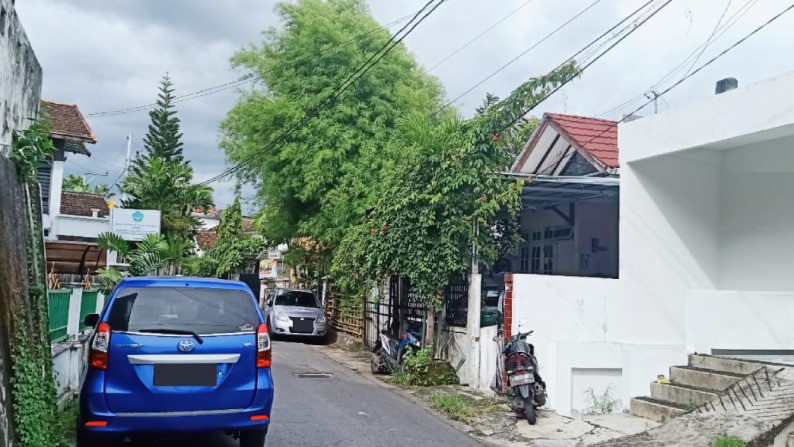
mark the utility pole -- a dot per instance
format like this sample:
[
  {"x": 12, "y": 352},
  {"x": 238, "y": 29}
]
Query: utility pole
[
  {"x": 654, "y": 95},
  {"x": 127, "y": 161}
]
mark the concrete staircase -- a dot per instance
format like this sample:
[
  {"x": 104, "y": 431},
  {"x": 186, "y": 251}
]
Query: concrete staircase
[{"x": 695, "y": 384}]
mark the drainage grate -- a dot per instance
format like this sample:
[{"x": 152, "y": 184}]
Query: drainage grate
[{"x": 313, "y": 375}]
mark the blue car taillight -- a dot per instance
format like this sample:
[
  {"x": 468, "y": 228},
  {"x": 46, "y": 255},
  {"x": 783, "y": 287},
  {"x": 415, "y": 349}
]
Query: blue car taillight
[
  {"x": 98, "y": 355},
  {"x": 263, "y": 353}
]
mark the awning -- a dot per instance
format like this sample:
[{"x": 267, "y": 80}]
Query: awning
[
  {"x": 74, "y": 257},
  {"x": 544, "y": 191}
]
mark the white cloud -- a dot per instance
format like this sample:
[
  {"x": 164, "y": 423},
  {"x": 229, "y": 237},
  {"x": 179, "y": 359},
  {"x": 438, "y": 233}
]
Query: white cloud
[{"x": 110, "y": 54}]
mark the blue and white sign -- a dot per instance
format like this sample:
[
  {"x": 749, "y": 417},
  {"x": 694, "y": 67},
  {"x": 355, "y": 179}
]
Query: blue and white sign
[{"x": 134, "y": 225}]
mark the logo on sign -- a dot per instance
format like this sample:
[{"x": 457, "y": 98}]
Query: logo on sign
[
  {"x": 137, "y": 216},
  {"x": 186, "y": 346}
]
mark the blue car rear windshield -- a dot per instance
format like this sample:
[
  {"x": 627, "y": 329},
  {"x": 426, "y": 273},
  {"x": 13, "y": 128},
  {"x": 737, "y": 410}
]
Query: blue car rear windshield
[
  {"x": 200, "y": 310},
  {"x": 296, "y": 298}
]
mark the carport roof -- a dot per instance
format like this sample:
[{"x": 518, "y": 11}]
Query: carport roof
[{"x": 549, "y": 191}]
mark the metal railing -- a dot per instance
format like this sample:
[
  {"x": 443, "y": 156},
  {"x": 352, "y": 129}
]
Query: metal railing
[{"x": 58, "y": 304}]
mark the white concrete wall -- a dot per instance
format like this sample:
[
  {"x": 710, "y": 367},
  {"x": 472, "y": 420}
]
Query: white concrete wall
[
  {"x": 756, "y": 217},
  {"x": 80, "y": 226},
  {"x": 587, "y": 336},
  {"x": 20, "y": 78},
  {"x": 69, "y": 356},
  {"x": 739, "y": 320},
  {"x": 489, "y": 354}
]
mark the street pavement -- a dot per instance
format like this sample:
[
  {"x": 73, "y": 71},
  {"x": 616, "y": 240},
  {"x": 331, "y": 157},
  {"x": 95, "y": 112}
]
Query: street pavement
[{"x": 344, "y": 410}]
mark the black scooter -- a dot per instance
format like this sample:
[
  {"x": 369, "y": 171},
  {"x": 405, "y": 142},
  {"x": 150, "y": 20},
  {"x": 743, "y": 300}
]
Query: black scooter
[{"x": 526, "y": 388}]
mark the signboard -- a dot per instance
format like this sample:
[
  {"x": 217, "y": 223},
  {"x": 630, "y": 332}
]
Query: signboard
[
  {"x": 274, "y": 254},
  {"x": 134, "y": 225},
  {"x": 268, "y": 268}
]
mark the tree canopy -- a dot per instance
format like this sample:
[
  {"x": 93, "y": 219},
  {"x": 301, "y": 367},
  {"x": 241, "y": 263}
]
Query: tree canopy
[
  {"x": 319, "y": 179},
  {"x": 77, "y": 183},
  {"x": 233, "y": 247},
  {"x": 161, "y": 179}
]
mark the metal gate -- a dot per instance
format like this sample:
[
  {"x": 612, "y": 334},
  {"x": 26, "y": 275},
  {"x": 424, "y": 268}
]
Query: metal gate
[{"x": 394, "y": 308}]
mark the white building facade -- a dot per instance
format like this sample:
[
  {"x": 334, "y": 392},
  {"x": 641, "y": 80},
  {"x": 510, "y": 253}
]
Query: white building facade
[{"x": 705, "y": 213}]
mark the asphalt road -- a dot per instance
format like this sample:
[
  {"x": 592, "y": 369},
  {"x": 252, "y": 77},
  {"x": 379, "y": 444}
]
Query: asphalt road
[{"x": 344, "y": 410}]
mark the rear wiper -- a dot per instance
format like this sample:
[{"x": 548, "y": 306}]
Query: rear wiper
[{"x": 174, "y": 331}]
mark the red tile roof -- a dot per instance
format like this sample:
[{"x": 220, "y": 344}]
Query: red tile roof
[
  {"x": 68, "y": 123},
  {"x": 82, "y": 203},
  {"x": 596, "y": 136},
  {"x": 206, "y": 239}
]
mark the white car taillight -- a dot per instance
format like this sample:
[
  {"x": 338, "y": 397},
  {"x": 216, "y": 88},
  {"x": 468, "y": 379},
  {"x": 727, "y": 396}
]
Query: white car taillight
[
  {"x": 263, "y": 353},
  {"x": 98, "y": 355}
]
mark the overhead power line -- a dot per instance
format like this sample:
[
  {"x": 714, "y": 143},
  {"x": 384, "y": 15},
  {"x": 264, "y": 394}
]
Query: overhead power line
[
  {"x": 522, "y": 54},
  {"x": 629, "y": 30},
  {"x": 700, "y": 49},
  {"x": 357, "y": 74},
  {"x": 240, "y": 81},
  {"x": 693, "y": 73},
  {"x": 478, "y": 36}
]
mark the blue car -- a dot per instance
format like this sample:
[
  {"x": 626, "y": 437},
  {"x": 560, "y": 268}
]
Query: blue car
[{"x": 177, "y": 355}]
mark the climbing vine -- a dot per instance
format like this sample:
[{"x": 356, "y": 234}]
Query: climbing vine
[{"x": 32, "y": 381}]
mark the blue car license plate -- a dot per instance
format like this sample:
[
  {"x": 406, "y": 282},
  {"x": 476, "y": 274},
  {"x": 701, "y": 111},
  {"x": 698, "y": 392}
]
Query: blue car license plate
[{"x": 204, "y": 374}]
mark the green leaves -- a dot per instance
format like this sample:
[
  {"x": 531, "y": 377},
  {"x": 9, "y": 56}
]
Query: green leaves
[
  {"x": 233, "y": 247},
  {"x": 319, "y": 180},
  {"x": 29, "y": 148},
  {"x": 76, "y": 183}
]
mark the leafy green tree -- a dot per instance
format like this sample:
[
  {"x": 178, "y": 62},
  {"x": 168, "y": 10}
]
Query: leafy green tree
[
  {"x": 233, "y": 248},
  {"x": 161, "y": 179},
  {"x": 163, "y": 139},
  {"x": 442, "y": 201},
  {"x": 154, "y": 255},
  {"x": 314, "y": 181},
  {"x": 168, "y": 187},
  {"x": 77, "y": 183}
]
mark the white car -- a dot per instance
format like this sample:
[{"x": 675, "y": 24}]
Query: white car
[{"x": 295, "y": 312}]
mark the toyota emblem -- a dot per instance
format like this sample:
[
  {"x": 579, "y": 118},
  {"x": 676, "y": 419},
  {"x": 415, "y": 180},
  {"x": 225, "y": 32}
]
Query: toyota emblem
[{"x": 186, "y": 346}]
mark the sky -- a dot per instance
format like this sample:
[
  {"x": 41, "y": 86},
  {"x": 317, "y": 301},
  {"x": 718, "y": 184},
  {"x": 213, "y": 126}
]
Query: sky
[{"x": 106, "y": 55}]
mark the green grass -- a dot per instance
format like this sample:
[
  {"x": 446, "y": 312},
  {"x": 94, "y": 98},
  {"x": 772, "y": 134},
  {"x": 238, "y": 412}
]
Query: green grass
[
  {"x": 67, "y": 423},
  {"x": 460, "y": 408},
  {"x": 728, "y": 441}
]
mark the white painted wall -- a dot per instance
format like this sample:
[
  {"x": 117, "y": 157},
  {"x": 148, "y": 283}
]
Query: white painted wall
[
  {"x": 80, "y": 226},
  {"x": 56, "y": 188},
  {"x": 69, "y": 356},
  {"x": 739, "y": 320},
  {"x": 587, "y": 326},
  {"x": 756, "y": 218}
]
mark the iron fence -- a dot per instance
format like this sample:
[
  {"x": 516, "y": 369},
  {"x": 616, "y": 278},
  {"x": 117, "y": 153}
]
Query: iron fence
[{"x": 58, "y": 306}]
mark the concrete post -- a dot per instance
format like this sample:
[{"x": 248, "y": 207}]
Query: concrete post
[
  {"x": 473, "y": 329},
  {"x": 73, "y": 325}
]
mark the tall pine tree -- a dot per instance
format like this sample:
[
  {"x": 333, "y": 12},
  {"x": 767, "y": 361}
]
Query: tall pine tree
[
  {"x": 161, "y": 178},
  {"x": 164, "y": 139}
]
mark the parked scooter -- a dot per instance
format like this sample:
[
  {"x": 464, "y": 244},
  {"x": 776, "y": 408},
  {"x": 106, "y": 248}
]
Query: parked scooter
[
  {"x": 526, "y": 388},
  {"x": 388, "y": 353}
]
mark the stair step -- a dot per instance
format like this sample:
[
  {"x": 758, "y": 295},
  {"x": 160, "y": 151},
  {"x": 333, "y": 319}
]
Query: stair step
[
  {"x": 723, "y": 364},
  {"x": 654, "y": 410},
  {"x": 680, "y": 394},
  {"x": 706, "y": 379}
]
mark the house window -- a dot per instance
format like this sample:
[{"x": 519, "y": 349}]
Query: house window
[
  {"x": 535, "y": 259},
  {"x": 524, "y": 264},
  {"x": 536, "y": 236},
  {"x": 548, "y": 259}
]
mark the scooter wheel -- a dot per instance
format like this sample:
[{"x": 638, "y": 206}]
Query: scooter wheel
[
  {"x": 376, "y": 369},
  {"x": 532, "y": 417}
]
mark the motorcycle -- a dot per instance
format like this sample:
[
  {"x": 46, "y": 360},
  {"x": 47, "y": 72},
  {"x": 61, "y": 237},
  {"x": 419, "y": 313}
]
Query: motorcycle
[
  {"x": 389, "y": 352},
  {"x": 526, "y": 388}
]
